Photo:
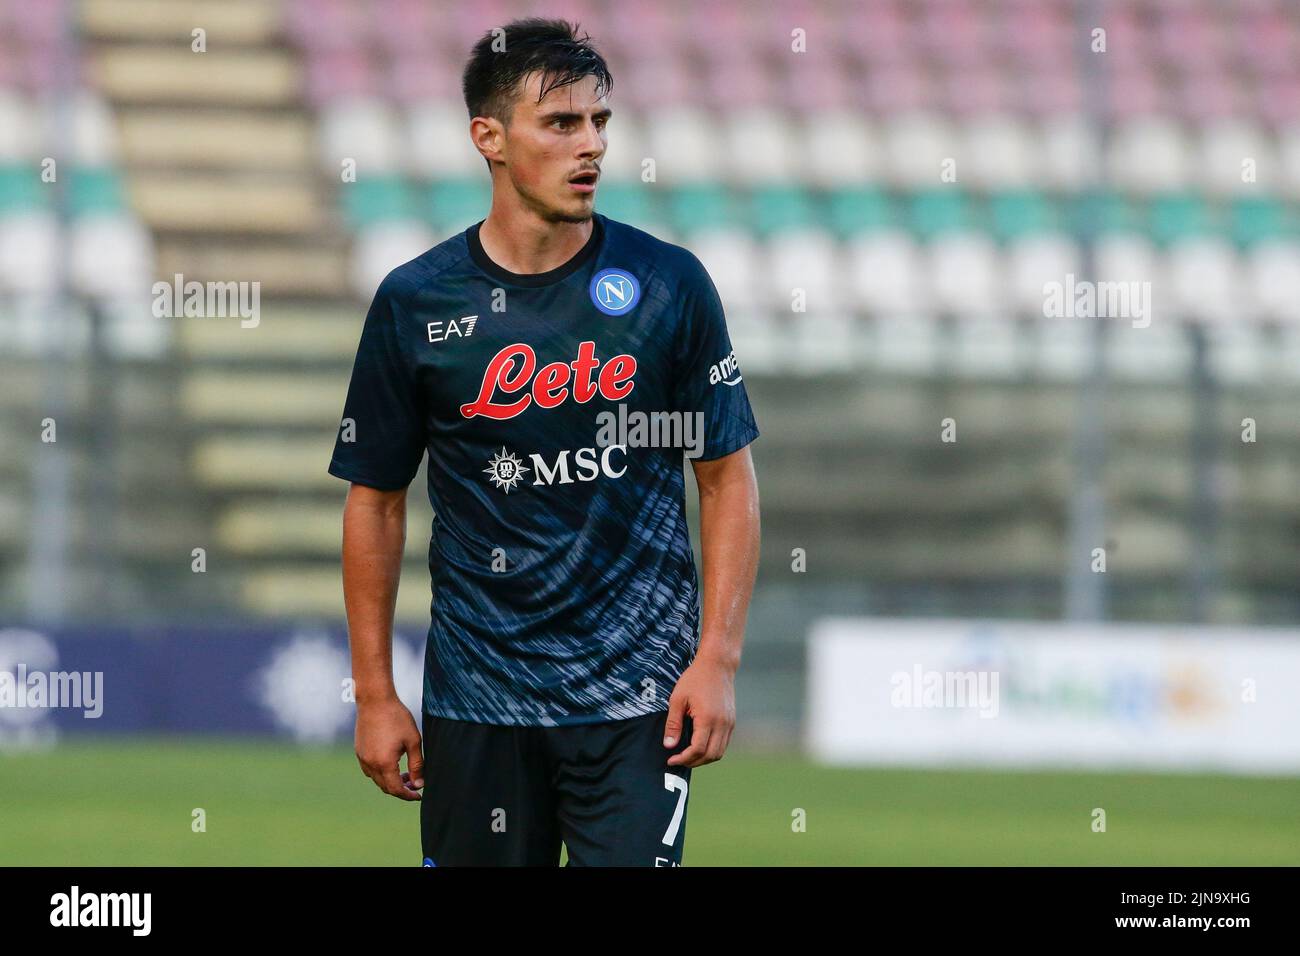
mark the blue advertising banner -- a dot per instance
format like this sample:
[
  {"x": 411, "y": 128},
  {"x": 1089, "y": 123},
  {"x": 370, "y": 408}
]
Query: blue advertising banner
[{"x": 289, "y": 682}]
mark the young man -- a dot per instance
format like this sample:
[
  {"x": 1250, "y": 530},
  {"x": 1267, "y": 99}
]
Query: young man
[{"x": 565, "y": 697}]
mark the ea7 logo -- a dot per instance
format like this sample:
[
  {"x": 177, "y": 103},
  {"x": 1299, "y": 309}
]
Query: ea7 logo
[
  {"x": 725, "y": 370},
  {"x": 463, "y": 327}
]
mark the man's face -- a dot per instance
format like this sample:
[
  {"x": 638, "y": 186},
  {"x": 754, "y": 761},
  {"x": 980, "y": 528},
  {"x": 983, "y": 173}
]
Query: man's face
[{"x": 553, "y": 149}]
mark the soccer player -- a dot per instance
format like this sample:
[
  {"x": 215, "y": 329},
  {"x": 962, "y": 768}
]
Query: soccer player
[{"x": 571, "y": 681}]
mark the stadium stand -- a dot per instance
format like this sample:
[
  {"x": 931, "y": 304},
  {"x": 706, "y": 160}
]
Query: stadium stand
[{"x": 820, "y": 172}]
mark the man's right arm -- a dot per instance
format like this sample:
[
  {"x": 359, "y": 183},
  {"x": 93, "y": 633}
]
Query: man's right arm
[{"x": 374, "y": 537}]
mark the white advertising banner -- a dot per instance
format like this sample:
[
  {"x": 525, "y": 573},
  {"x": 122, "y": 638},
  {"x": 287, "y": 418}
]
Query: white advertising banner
[{"x": 979, "y": 693}]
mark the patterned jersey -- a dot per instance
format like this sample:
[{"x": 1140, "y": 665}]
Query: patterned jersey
[{"x": 557, "y": 410}]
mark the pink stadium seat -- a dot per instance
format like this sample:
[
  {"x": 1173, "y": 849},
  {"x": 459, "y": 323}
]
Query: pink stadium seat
[
  {"x": 1277, "y": 99},
  {"x": 1186, "y": 36},
  {"x": 38, "y": 24},
  {"x": 880, "y": 35},
  {"x": 737, "y": 82},
  {"x": 1134, "y": 91},
  {"x": 977, "y": 89},
  {"x": 899, "y": 88},
  {"x": 1209, "y": 95},
  {"x": 328, "y": 25},
  {"x": 413, "y": 76},
  {"x": 952, "y": 32},
  {"x": 815, "y": 84},
  {"x": 1267, "y": 42},
  {"x": 1050, "y": 92},
  {"x": 654, "y": 82},
  {"x": 1034, "y": 33},
  {"x": 409, "y": 26},
  {"x": 466, "y": 22},
  {"x": 339, "y": 73}
]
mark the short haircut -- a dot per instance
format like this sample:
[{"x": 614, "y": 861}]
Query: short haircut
[{"x": 552, "y": 48}]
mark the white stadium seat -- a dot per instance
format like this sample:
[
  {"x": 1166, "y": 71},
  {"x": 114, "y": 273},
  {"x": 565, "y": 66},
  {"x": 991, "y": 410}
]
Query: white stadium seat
[
  {"x": 1071, "y": 154},
  {"x": 626, "y": 151},
  {"x": 839, "y": 147},
  {"x": 1223, "y": 148},
  {"x": 1205, "y": 281},
  {"x": 29, "y": 249},
  {"x": 998, "y": 152},
  {"x": 1272, "y": 270},
  {"x": 111, "y": 256},
  {"x": 732, "y": 258},
  {"x": 1034, "y": 261},
  {"x": 1150, "y": 155},
  {"x": 363, "y": 130},
  {"x": 438, "y": 143},
  {"x": 806, "y": 259},
  {"x": 381, "y": 248},
  {"x": 684, "y": 143},
  {"x": 917, "y": 144},
  {"x": 966, "y": 273},
  {"x": 887, "y": 274},
  {"x": 20, "y": 128},
  {"x": 761, "y": 144}
]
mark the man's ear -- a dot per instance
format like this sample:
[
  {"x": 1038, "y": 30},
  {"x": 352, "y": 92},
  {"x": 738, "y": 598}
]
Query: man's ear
[{"x": 488, "y": 136}]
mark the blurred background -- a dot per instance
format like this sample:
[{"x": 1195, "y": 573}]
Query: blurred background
[{"x": 1101, "y": 509}]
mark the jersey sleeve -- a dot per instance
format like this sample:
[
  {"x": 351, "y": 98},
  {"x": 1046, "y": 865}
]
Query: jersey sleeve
[
  {"x": 381, "y": 438},
  {"x": 706, "y": 375}
]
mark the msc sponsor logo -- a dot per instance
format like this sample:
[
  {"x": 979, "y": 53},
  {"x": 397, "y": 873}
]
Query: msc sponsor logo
[
  {"x": 505, "y": 470},
  {"x": 614, "y": 291},
  {"x": 553, "y": 384},
  {"x": 727, "y": 371},
  {"x": 452, "y": 328}
]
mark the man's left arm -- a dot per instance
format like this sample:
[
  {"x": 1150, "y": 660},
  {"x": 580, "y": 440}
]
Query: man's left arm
[{"x": 729, "y": 538}]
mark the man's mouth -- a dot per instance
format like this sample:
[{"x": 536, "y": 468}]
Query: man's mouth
[{"x": 584, "y": 182}]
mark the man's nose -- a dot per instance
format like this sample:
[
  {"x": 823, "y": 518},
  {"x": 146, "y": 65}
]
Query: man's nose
[{"x": 592, "y": 145}]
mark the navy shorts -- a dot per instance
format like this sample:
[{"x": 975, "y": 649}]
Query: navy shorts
[{"x": 508, "y": 796}]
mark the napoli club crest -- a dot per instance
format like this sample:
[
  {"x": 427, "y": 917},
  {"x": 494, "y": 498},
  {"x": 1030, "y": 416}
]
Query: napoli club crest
[{"x": 614, "y": 291}]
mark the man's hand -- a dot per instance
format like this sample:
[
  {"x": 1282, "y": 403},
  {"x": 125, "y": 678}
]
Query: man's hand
[
  {"x": 386, "y": 730},
  {"x": 706, "y": 692}
]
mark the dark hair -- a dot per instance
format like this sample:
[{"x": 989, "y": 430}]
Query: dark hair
[{"x": 551, "y": 47}]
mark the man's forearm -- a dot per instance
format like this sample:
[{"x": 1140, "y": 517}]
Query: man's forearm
[
  {"x": 729, "y": 542},
  {"x": 374, "y": 537}
]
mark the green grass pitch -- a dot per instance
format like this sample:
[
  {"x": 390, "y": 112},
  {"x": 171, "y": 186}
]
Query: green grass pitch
[{"x": 130, "y": 803}]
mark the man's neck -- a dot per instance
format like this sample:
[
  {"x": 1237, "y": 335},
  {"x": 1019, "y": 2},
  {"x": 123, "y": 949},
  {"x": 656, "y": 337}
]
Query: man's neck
[{"x": 522, "y": 242}]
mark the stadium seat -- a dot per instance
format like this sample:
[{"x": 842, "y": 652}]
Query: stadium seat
[
  {"x": 29, "y": 249},
  {"x": 456, "y": 204},
  {"x": 1150, "y": 154},
  {"x": 780, "y": 208},
  {"x": 852, "y": 211},
  {"x": 888, "y": 274},
  {"x": 376, "y": 198},
  {"x": 966, "y": 274},
  {"x": 381, "y": 247},
  {"x": 365, "y": 131},
  {"x": 111, "y": 255},
  {"x": 437, "y": 142},
  {"x": 701, "y": 206},
  {"x": 1204, "y": 281},
  {"x": 839, "y": 149},
  {"x": 760, "y": 145}
]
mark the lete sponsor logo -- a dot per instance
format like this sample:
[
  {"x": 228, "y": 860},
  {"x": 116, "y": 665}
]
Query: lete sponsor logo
[{"x": 553, "y": 384}]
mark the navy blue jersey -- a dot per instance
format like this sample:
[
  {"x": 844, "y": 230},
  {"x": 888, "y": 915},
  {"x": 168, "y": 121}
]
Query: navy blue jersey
[{"x": 556, "y": 410}]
